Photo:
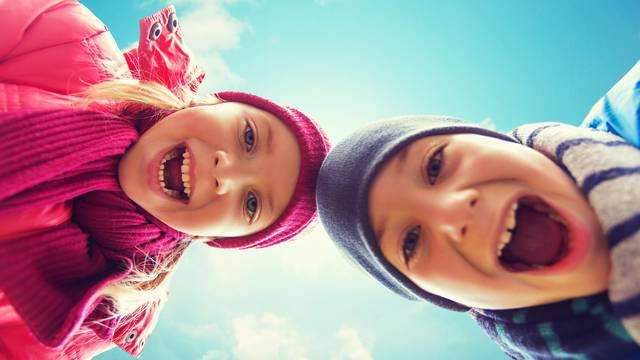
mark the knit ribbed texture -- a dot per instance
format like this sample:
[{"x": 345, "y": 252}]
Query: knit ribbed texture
[
  {"x": 607, "y": 170},
  {"x": 50, "y": 156},
  {"x": 301, "y": 209},
  {"x": 583, "y": 328}
]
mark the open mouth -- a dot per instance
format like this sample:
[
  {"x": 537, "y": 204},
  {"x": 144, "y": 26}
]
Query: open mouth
[
  {"x": 535, "y": 237},
  {"x": 174, "y": 173}
]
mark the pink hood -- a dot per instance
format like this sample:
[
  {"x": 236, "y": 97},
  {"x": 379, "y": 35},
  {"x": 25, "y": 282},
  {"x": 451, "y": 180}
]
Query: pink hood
[{"x": 53, "y": 49}]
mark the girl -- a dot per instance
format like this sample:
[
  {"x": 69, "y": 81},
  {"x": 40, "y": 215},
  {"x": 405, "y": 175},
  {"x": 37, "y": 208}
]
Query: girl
[
  {"x": 100, "y": 197},
  {"x": 529, "y": 239}
]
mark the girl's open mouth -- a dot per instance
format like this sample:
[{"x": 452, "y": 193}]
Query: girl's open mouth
[
  {"x": 536, "y": 236},
  {"x": 175, "y": 173}
]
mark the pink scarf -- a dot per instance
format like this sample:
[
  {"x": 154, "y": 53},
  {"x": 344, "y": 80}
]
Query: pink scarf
[{"x": 52, "y": 156}]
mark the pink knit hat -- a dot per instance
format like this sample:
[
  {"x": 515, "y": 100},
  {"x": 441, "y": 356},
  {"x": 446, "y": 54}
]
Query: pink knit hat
[{"x": 301, "y": 210}]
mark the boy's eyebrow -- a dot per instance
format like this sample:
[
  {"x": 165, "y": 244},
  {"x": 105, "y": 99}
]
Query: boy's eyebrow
[
  {"x": 379, "y": 232},
  {"x": 394, "y": 241},
  {"x": 402, "y": 159}
]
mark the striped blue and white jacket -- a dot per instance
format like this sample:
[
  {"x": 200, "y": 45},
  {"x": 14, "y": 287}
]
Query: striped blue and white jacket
[{"x": 607, "y": 169}]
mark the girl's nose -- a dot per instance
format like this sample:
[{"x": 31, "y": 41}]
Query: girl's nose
[
  {"x": 221, "y": 172},
  {"x": 458, "y": 213}
]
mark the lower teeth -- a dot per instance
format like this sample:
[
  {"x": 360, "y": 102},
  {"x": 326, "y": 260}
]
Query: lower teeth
[{"x": 171, "y": 155}]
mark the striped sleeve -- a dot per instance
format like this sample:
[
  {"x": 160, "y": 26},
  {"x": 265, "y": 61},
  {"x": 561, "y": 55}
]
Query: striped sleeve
[{"x": 618, "y": 111}]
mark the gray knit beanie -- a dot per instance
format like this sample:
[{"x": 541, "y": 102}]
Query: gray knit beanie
[{"x": 343, "y": 192}]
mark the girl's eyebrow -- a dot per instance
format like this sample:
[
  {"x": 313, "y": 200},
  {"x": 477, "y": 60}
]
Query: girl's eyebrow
[
  {"x": 270, "y": 201},
  {"x": 269, "y": 141},
  {"x": 264, "y": 126},
  {"x": 266, "y": 202},
  {"x": 268, "y": 149}
]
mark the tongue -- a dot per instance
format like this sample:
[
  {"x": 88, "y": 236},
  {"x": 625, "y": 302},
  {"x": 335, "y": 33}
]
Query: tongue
[
  {"x": 173, "y": 174},
  {"x": 537, "y": 239}
]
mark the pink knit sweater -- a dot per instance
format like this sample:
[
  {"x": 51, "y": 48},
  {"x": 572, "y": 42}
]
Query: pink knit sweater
[{"x": 51, "y": 156}]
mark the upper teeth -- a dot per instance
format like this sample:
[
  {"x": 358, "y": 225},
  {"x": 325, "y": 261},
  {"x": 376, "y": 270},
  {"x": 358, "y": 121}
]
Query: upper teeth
[
  {"x": 184, "y": 169},
  {"x": 510, "y": 225},
  {"x": 505, "y": 237},
  {"x": 186, "y": 178}
]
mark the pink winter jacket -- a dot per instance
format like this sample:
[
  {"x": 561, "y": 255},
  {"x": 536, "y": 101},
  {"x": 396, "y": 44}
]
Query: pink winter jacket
[{"x": 49, "y": 52}]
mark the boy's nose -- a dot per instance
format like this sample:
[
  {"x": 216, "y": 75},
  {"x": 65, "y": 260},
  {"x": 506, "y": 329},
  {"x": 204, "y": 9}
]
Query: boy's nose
[{"x": 457, "y": 210}]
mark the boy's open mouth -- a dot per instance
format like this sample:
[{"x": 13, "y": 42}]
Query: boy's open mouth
[
  {"x": 174, "y": 173},
  {"x": 536, "y": 236}
]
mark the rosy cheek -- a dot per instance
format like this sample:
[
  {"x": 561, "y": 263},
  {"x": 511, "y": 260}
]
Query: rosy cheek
[{"x": 441, "y": 273}]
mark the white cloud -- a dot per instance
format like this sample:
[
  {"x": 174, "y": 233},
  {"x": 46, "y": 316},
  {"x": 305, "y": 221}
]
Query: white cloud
[
  {"x": 312, "y": 257},
  {"x": 219, "y": 75},
  {"x": 216, "y": 355},
  {"x": 266, "y": 337},
  {"x": 208, "y": 25},
  {"x": 209, "y": 28},
  {"x": 274, "y": 337},
  {"x": 308, "y": 257},
  {"x": 133, "y": 45},
  {"x": 200, "y": 331},
  {"x": 488, "y": 123},
  {"x": 352, "y": 346}
]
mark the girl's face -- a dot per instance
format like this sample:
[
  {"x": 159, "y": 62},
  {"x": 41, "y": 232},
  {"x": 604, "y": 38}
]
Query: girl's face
[
  {"x": 217, "y": 170},
  {"x": 445, "y": 206}
]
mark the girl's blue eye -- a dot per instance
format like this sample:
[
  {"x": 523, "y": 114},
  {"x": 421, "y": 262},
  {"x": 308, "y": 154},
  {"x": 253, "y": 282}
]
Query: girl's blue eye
[
  {"x": 409, "y": 244},
  {"x": 252, "y": 205},
  {"x": 434, "y": 166},
  {"x": 249, "y": 138}
]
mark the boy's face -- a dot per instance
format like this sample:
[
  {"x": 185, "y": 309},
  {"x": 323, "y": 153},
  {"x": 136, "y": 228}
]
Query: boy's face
[
  {"x": 216, "y": 170},
  {"x": 443, "y": 206}
]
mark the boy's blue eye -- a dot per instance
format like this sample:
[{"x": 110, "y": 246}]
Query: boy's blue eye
[
  {"x": 249, "y": 138},
  {"x": 434, "y": 166},
  {"x": 251, "y": 205},
  {"x": 410, "y": 242}
]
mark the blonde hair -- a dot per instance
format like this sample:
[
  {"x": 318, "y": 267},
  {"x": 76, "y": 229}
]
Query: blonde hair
[{"x": 131, "y": 98}]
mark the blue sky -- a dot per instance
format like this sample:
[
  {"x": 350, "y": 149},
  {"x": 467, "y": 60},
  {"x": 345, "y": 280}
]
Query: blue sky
[{"x": 346, "y": 63}]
